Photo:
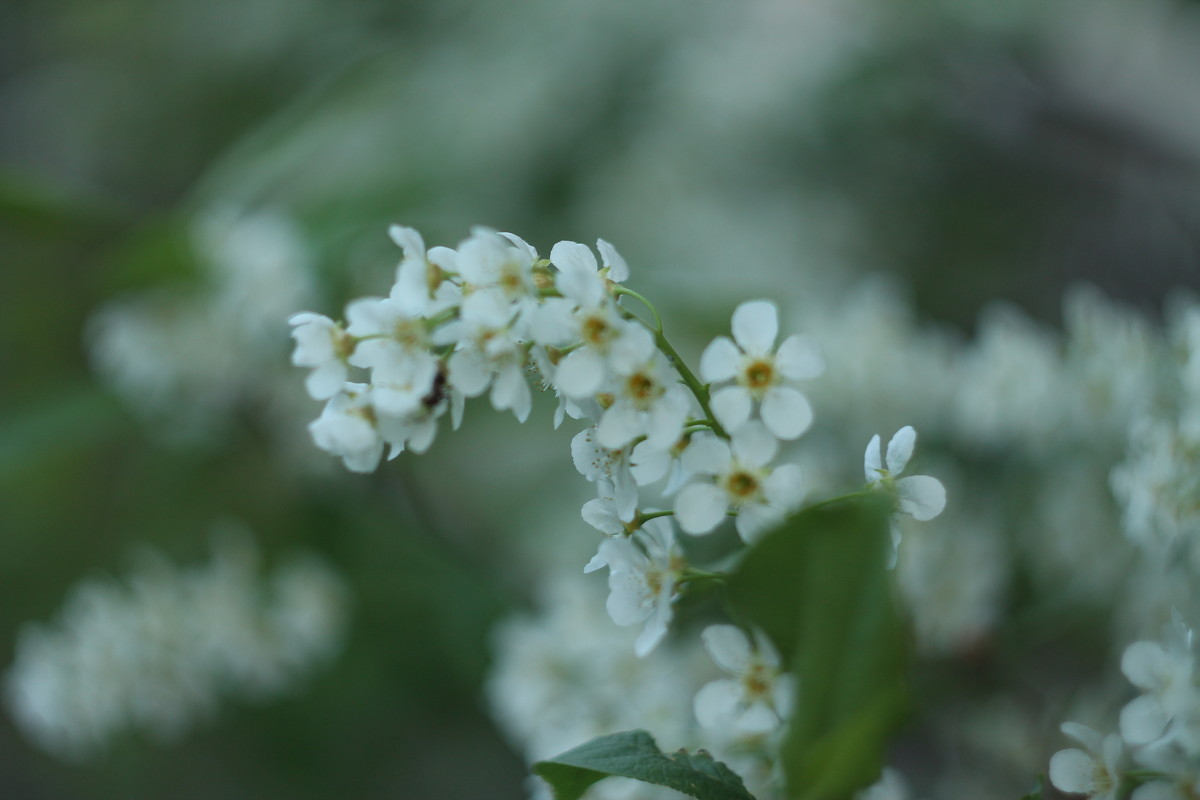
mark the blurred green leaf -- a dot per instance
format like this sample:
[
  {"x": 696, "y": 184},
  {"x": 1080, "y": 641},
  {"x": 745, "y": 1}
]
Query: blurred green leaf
[
  {"x": 820, "y": 588},
  {"x": 633, "y": 754},
  {"x": 1038, "y": 786}
]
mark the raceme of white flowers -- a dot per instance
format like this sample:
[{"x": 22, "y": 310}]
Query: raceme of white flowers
[
  {"x": 157, "y": 651},
  {"x": 1156, "y": 752},
  {"x": 668, "y": 452}
]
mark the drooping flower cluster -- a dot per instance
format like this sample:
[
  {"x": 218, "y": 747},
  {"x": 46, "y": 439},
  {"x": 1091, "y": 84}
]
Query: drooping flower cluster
[
  {"x": 1157, "y": 749},
  {"x": 477, "y": 319},
  {"x": 157, "y": 651}
]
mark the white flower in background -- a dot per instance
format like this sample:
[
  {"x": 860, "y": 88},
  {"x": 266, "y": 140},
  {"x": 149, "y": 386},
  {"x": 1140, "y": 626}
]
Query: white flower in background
[
  {"x": 921, "y": 496},
  {"x": 1096, "y": 771},
  {"x": 740, "y": 480},
  {"x": 763, "y": 375},
  {"x": 157, "y": 651},
  {"x": 346, "y": 428},
  {"x": 649, "y": 401},
  {"x": 1169, "y": 707},
  {"x": 322, "y": 345},
  {"x": 758, "y": 696},
  {"x": 490, "y": 351},
  {"x": 587, "y": 318},
  {"x": 643, "y": 571}
]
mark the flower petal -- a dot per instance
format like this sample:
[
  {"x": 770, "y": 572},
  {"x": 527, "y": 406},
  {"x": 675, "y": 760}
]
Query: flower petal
[
  {"x": 618, "y": 270},
  {"x": 798, "y": 358},
  {"x": 1145, "y": 664},
  {"x": 719, "y": 361},
  {"x": 731, "y": 406},
  {"x": 1143, "y": 720},
  {"x": 872, "y": 460},
  {"x": 900, "y": 449},
  {"x": 1073, "y": 771},
  {"x": 729, "y": 647},
  {"x": 922, "y": 496},
  {"x": 717, "y": 704},
  {"x": 786, "y": 412},
  {"x": 755, "y": 326},
  {"x": 754, "y": 445},
  {"x": 700, "y": 507},
  {"x": 580, "y": 374}
]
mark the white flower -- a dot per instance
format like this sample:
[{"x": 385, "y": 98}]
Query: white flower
[
  {"x": 762, "y": 374},
  {"x": 648, "y": 401},
  {"x": 490, "y": 351},
  {"x": 610, "y": 468},
  {"x": 758, "y": 696},
  {"x": 502, "y": 261},
  {"x": 643, "y": 571},
  {"x": 394, "y": 344},
  {"x": 420, "y": 286},
  {"x": 1096, "y": 772},
  {"x": 322, "y": 345},
  {"x": 921, "y": 496},
  {"x": 587, "y": 318},
  {"x": 741, "y": 479},
  {"x": 1170, "y": 703},
  {"x": 346, "y": 428}
]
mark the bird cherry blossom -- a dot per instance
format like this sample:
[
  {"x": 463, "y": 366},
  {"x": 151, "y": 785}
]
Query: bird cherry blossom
[
  {"x": 1096, "y": 771},
  {"x": 921, "y": 496},
  {"x": 763, "y": 375},
  {"x": 757, "y": 696},
  {"x": 323, "y": 345},
  {"x": 644, "y": 570},
  {"x": 741, "y": 480}
]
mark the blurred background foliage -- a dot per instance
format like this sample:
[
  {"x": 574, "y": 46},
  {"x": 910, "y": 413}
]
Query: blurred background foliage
[{"x": 977, "y": 150}]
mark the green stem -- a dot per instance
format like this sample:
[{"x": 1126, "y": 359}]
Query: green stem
[
  {"x": 689, "y": 378},
  {"x": 842, "y": 498},
  {"x": 696, "y": 575}
]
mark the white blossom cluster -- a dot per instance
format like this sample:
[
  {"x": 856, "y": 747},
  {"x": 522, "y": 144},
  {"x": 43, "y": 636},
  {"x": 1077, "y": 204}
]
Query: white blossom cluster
[
  {"x": 157, "y": 651},
  {"x": 1156, "y": 752},
  {"x": 667, "y": 451},
  {"x": 473, "y": 320}
]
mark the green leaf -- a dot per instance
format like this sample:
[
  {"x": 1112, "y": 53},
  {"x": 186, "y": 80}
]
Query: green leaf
[
  {"x": 633, "y": 754},
  {"x": 1038, "y": 786},
  {"x": 819, "y": 587}
]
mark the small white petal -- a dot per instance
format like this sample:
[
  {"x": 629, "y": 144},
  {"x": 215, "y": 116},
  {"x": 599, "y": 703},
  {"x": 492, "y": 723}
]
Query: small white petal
[
  {"x": 626, "y": 599},
  {"x": 580, "y": 374},
  {"x": 326, "y": 380},
  {"x": 1143, "y": 720},
  {"x": 601, "y": 514},
  {"x": 798, "y": 359},
  {"x": 700, "y": 507},
  {"x": 754, "y": 520},
  {"x": 651, "y": 635},
  {"x": 731, "y": 406},
  {"x": 621, "y": 424},
  {"x": 1145, "y": 664},
  {"x": 754, "y": 445},
  {"x": 1073, "y": 771},
  {"x": 755, "y": 326},
  {"x": 872, "y": 460},
  {"x": 784, "y": 487},
  {"x": 648, "y": 464},
  {"x": 922, "y": 496},
  {"x": 900, "y": 449},
  {"x": 719, "y": 361},
  {"x": 786, "y": 412},
  {"x": 728, "y": 646},
  {"x": 706, "y": 455},
  {"x": 717, "y": 704},
  {"x": 618, "y": 270},
  {"x": 469, "y": 372}
]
